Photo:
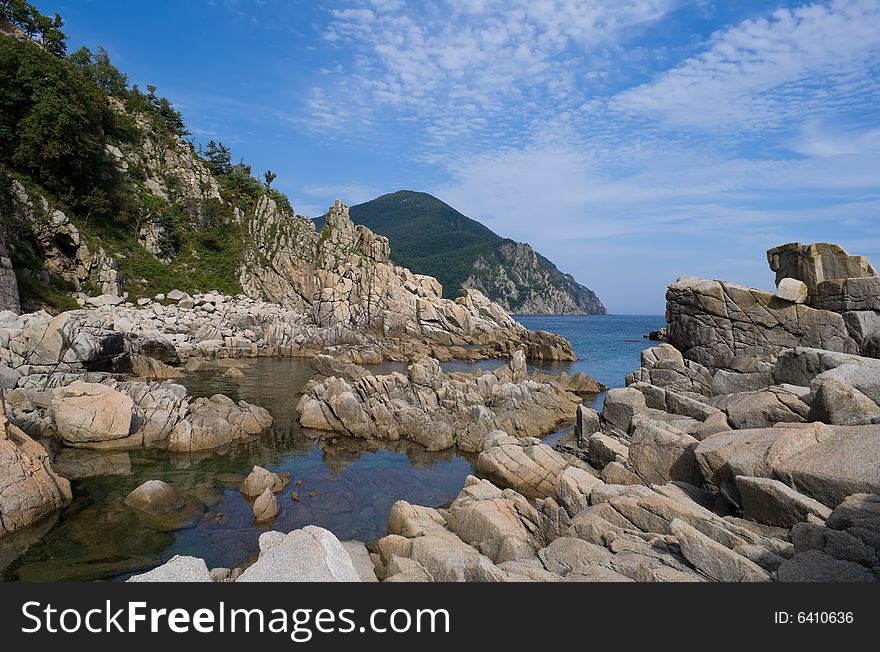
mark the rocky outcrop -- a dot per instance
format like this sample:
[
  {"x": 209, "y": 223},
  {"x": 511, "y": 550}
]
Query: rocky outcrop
[
  {"x": 825, "y": 299},
  {"x": 30, "y": 490},
  {"x": 713, "y": 323},
  {"x": 311, "y": 554},
  {"x": 524, "y": 283},
  {"x": 61, "y": 247},
  {"x": 107, "y": 414},
  {"x": 343, "y": 277},
  {"x": 436, "y": 409},
  {"x": 9, "y": 299},
  {"x": 813, "y": 264}
]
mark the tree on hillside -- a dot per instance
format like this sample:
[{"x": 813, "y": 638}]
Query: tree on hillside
[
  {"x": 269, "y": 177},
  {"x": 97, "y": 68},
  {"x": 44, "y": 30},
  {"x": 219, "y": 159}
]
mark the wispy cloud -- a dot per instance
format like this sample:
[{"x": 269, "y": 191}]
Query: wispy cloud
[
  {"x": 763, "y": 131},
  {"x": 762, "y": 73}
]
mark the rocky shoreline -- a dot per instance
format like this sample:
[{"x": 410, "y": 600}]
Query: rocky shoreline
[{"x": 746, "y": 448}]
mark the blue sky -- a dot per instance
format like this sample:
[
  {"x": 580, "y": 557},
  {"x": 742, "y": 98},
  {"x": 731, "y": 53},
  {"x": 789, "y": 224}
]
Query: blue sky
[{"x": 628, "y": 141}]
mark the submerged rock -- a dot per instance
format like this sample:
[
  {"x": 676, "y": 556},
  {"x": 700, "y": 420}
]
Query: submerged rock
[{"x": 163, "y": 508}]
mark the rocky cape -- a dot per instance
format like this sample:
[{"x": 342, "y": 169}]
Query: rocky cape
[{"x": 431, "y": 237}]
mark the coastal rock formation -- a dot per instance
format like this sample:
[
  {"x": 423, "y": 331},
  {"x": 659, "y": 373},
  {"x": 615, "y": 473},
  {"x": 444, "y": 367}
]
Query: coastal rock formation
[
  {"x": 437, "y": 409},
  {"x": 431, "y": 237},
  {"x": 103, "y": 413},
  {"x": 311, "y": 554},
  {"x": 343, "y": 278},
  {"x": 30, "y": 490},
  {"x": 8, "y": 284},
  {"x": 751, "y": 455},
  {"x": 713, "y": 323},
  {"x": 825, "y": 299}
]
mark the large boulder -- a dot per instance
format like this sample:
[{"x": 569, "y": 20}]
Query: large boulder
[
  {"x": 260, "y": 479},
  {"x": 620, "y": 406},
  {"x": 311, "y": 554},
  {"x": 30, "y": 490},
  {"x": 814, "y": 263},
  {"x": 826, "y": 463},
  {"x": 713, "y": 323},
  {"x": 216, "y": 422},
  {"x": 163, "y": 508},
  {"x": 177, "y": 569},
  {"x": 525, "y": 465},
  {"x": 84, "y": 413},
  {"x": 839, "y": 403},
  {"x": 769, "y": 501},
  {"x": 660, "y": 452}
]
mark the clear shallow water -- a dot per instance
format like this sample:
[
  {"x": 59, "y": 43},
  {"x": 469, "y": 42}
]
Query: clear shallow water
[{"x": 355, "y": 483}]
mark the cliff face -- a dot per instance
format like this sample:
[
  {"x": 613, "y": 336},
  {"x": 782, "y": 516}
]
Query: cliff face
[
  {"x": 8, "y": 284},
  {"x": 343, "y": 278},
  {"x": 430, "y": 237},
  {"x": 526, "y": 283}
]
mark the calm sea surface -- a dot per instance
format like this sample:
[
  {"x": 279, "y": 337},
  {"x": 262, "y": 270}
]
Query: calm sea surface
[{"x": 354, "y": 483}]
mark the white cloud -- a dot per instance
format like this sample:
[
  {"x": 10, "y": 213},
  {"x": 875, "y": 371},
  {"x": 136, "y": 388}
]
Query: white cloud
[
  {"x": 473, "y": 68},
  {"x": 763, "y": 73}
]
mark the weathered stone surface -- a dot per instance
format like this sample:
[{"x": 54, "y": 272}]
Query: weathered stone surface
[
  {"x": 844, "y": 460},
  {"x": 586, "y": 423},
  {"x": 90, "y": 412},
  {"x": 815, "y": 566},
  {"x": 801, "y": 365},
  {"x": 570, "y": 555},
  {"x": 790, "y": 289},
  {"x": 436, "y": 409},
  {"x": 218, "y": 421},
  {"x": 687, "y": 377},
  {"x": 713, "y": 559},
  {"x": 602, "y": 450},
  {"x": 163, "y": 508},
  {"x": 765, "y": 408},
  {"x": 771, "y": 502},
  {"x": 620, "y": 406},
  {"x": 573, "y": 489},
  {"x": 30, "y": 490},
  {"x": 713, "y": 322},
  {"x": 155, "y": 497},
  {"x": 261, "y": 479},
  {"x": 9, "y": 299},
  {"x": 265, "y": 506},
  {"x": 660, "y": 453},
  {"x": 500, "y": 525},
  {"x": 839, "y": 403},
  {"x": 525, "y": 464},
  {"x": 814, "y": 263},
  {"x": 311, "y": 554},
  {"x": 177, "y": 569},
  {"x": 843, "y": 295},
  {"x": 361, "y": 560},
  {"x": 732, "y": 382}
]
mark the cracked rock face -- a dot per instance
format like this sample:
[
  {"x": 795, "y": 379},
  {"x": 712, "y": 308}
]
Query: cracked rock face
[
  {"x": 713, "y": 323},
  {"x": 342, "y": 276},
  {"x": 436, "y": 409},
  {"x": 30, "y": 490}
]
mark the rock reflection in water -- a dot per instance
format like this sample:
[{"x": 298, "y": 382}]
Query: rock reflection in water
[{"x": 345, "y": 485}]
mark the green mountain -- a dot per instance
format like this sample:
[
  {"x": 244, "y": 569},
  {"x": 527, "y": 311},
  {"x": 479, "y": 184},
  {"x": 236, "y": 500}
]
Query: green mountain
[{"x": 430, "y": 237}]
